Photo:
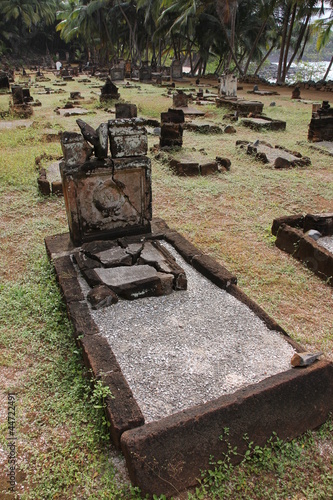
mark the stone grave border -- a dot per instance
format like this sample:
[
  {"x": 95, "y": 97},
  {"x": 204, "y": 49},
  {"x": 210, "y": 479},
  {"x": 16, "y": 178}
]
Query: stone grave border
[
  {"x": 166, "y": 456},
  {"x": 291, "y": 238},
  {"x": 268, "y": 124}
]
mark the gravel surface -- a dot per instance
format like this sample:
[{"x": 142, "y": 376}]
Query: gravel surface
[
  {"x": 326, "y": 242},
  {"x": 189, "y": 347}
]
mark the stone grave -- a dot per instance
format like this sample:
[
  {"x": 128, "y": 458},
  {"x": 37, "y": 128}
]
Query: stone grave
[
  {"x": 4, "y": 81},
  {"x": 49, "y": 180},
  {"x": 117, "y": 72},
  {"x": 21, "y": 101},
  {"x": 275, "y": 156},
  {"x": 145, "y": 72},
  {"x": 264, "y": 123},
  {"x": 180, "y": 99},
  {"x": 172, "y": 128},
  {"x": 308, "y": 239},
  {"x": 241, "y": 106},
  {"x": 126, "y": 110},
  {"x": 321, "y": 124},
  {"x": 183, "y": 350},
  {"x": 176, "y": 70},
  {"x": 228, "y": 85},
  {"x": 109, "y": 91},
  {"x": 191, "y": 165}
]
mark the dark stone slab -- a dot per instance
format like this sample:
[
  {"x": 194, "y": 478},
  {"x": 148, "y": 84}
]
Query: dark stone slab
[
  {"x": 122, "y": 410},
  {"x": 59, "y": 243},
  {"x": 67, "y": 279},
  {"x": 288, "y": 238},
  {"x": 209, "y": 168},
  {"x": 126, "y": 110},
  {"x": 182, "y": 245},
  {"x": 185, "y": 168},
  {"x": 98, "y": 356},
  {"x": 167, "y": 456},
  {"x": 131, "y": 282},
  {"x": 212, "y": 270},
  {"x": 44, "y": 186},
  {"x": 321, "y": 222},
  {"x": 296, "y": 221},
  {"x": 79, "y": 314},
  {"x": 57, "y": 188},
  {"x": 264, "y": 123},
  {"x": 101, "y": 296}
]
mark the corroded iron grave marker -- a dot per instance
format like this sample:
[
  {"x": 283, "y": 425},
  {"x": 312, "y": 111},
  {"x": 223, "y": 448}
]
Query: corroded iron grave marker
[{"x": 192, "y": 354}]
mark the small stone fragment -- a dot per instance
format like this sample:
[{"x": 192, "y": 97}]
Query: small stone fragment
[
  {"x": 229, "y": 129},
  {"x": 304, "y": 358},
  {"x": 101, "y": 296}
]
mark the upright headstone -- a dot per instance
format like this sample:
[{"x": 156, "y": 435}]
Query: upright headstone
[
  {"x": 144, "y": 72},
  {"x": 107, "y": 197},
  {"x": 172, "y": 128},
  {"x": 228, "y": 85},
  {"x": 117, "y": 71},
  {"x": 109, "y": 91},
  {"x": 176, "y": 69}
]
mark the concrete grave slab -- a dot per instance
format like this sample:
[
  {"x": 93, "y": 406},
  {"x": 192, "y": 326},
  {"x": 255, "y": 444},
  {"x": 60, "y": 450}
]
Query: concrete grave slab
[
  {"x": 242, "y": 106},
  {"x": 184, "y": 366}
]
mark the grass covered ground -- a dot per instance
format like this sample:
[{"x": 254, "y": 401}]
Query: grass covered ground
[{"x": 62, "y": 448}]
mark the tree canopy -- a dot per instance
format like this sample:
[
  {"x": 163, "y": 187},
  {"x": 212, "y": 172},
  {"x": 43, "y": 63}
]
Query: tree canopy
[{"x": 238, "y": 35}]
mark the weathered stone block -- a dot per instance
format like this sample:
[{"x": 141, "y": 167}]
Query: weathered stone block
[
  {"x": 75, "y": 149},
  {"x": 209, "y": 168},
  {"x": 105, "y": 199},
  {"x": 171, "y": 134},
  {"x": 185, "y": 168},
  {"x": 173, "y": 116},
  {"x": 126, "y": 110},
  {"x": 127, "y": 139},
  {"x": 101, "y": 296},
  {"x": 180, "y": 100},
  {"x": 321, "y": 222}
]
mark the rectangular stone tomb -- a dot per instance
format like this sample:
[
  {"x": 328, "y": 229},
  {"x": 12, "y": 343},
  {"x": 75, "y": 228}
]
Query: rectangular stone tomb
[
  {"x": 184, "y": 366},
  {"x": 242, "y": 106},
  {"x": 308, "y": 239},
  {"x": 264, "y": 123},
  {"x": 277, "y": 156}
]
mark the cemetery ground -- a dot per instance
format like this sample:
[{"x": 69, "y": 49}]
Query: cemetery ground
[{"x": 62, "y": 448}]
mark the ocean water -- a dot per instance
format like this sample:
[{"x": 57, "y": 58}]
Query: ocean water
[{"x": 307, "y": 70}]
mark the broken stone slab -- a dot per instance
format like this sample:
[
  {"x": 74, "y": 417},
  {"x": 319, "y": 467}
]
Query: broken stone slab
[
  {"x": 101, "y": 149},
  {"x": 155, "y": 255},
  {"x": 276, "y": 156},
  {"x": 185, "y": 168},
  {"x": 71, "y": 112},
  {"x": 305, "y": 358},
  {"x": 88, "y": 132},
  {"x": 75, "y": 149},
  {"x": 114, "y": 257},
  {"x": 101, "y": 296},
  {"x": 127, "y": 138},
  {"x": 132, "y": 282},
  {"x": 223, "y": 163}
]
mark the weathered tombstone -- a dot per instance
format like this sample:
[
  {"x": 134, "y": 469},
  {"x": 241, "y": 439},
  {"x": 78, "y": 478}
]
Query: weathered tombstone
[
  {"x": 108, "y": 197},
  {"x": 4, "y": 80},
  {"x": 176, "y": 69},
  {"x": 117, "y": 71},
  {"x": 321, "y": 125},
  {"x": 144, "y": 72},
  {"x": 180, "y": 99},
  {"x": 172, "y": 128},
  {"x": 109, "y": 91},
  {"x": 126, "y": 110},
  {"x": 228, "y": 85},
  {"x": 296, "y": 93},
  {"x": 17, "y": 95}
]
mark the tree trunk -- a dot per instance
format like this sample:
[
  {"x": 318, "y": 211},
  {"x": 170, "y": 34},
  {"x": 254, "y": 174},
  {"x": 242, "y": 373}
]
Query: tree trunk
[
  {"x": 264, "y": 59},
  {"x": 298, "y": 43},
  {"x": 328, "y": 69},
  {"x": 220, "y": 9},
  {"x": 283, "y": 43},
  {"x": 254, "y": 46},
  {"x": 286, "y": 52}
]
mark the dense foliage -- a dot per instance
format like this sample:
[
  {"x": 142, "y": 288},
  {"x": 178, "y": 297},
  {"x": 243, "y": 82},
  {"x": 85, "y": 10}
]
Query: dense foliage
[{"x": 234, "y": 33}]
